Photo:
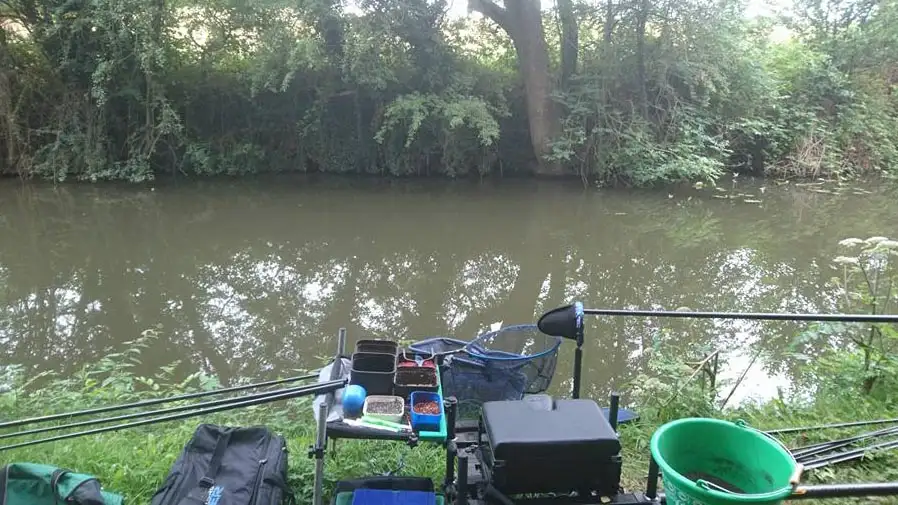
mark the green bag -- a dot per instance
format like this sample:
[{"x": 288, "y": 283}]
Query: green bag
[{"x": 34, "y": 484}]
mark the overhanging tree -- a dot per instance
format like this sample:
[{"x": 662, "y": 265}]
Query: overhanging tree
[{"x": 522, "y": 21}]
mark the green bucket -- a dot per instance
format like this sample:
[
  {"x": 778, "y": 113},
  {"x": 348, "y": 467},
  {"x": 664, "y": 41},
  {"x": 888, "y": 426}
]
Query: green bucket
[{"x": 714, "y": 462}]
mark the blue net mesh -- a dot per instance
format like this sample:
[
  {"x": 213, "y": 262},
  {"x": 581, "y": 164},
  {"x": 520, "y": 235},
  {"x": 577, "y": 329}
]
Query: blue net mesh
[{"x": 500, "y": 365}]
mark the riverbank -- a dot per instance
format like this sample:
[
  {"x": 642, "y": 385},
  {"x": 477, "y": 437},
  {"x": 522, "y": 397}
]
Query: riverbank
[{"x": 134, "y": 462}]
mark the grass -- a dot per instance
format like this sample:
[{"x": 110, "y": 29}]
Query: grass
[
  {"x": 879, "y": 467},
  {"x": 134, "y": 462}
]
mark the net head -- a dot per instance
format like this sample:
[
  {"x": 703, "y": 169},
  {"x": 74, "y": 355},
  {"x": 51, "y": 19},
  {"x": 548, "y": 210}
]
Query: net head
[
  {"x": 500, "y": 365},
  {"x": 524, "y": 341}
]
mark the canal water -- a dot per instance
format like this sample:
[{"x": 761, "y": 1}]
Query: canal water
[{"x": 253, "y": 277}]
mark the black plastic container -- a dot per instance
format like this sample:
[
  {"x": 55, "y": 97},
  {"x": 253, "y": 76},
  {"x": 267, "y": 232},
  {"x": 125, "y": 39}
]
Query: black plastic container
[
  {"x": 543, "y": 445},
  {"x": 377, "y": 346},
  {"x": 373, "y": 371},
  {"x": 416, "y": 378}
]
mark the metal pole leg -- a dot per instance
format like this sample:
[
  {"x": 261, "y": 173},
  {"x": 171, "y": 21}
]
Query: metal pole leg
[
  {"x": 613, "y": 411},
  {"x": 450, "y": 405},
  {"x": 461, "y": 497},
  {"x": 317, "y": 452},
  {"x": 651, "y": 487},
  {"x": 337, "y": 370}
]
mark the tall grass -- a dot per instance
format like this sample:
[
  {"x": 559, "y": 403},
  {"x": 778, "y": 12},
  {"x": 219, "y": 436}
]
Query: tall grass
[{"x": 135, "y": 461}]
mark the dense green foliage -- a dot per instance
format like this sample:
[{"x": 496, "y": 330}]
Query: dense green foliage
[
  {"x": 659, "y": 91},
  {"x": 866, "y": 283}
]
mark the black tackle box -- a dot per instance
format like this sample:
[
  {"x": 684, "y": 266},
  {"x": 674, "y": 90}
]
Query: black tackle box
[{"x": 543, "y": 445}]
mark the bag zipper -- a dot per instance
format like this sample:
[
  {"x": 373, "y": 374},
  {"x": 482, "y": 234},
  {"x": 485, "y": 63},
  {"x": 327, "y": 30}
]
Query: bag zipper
[
  {"x": 276, "y": 467},
  {"x": 177, "y": 482},
  {"x": 285, "y": 490},
  {"x": 255, "y": 496},
  {"x": 171, "y": 485},
  {"x": 280, "y": 455}
]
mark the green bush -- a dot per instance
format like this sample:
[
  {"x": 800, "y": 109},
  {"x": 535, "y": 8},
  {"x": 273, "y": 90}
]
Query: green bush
[{"x": 117, "y": 89}]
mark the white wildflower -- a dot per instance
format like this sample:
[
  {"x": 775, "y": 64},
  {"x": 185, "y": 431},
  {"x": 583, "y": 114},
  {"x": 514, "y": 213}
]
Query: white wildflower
[
  {"x": 875, "y": 240},
  {"x": 850, "y": 242},
  {"x": 846, "y": 260}
]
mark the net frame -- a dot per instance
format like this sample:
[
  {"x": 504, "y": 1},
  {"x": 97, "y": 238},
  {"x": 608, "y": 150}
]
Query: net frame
[{"x": 475, "y": 373}]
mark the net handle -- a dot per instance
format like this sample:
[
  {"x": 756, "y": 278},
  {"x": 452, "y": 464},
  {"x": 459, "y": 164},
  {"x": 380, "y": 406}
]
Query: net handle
[
  {"x": 433, "y": 354},
  {"x": 528, "y": 327}
]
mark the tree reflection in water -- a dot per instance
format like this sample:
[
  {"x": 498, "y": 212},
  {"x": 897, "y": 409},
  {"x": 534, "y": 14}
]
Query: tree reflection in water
[{"x": 248, "y": 278}]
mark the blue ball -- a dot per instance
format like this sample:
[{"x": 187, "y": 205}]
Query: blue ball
[{"x": 353, "y": 400}]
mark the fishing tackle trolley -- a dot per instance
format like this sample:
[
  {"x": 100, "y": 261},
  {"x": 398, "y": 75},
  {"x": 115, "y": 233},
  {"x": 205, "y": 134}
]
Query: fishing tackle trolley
[
  {"x": 507, "y": 442},
  {"x": 566, "y": 450}
]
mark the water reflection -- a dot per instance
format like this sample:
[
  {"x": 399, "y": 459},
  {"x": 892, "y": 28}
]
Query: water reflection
[{"x": 244, "y": 278}]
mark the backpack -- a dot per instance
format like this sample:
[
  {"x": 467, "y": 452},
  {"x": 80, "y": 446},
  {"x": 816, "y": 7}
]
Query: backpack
[
  {"x": 35, "y": 484},
  {"x": 223, "y": 465}
]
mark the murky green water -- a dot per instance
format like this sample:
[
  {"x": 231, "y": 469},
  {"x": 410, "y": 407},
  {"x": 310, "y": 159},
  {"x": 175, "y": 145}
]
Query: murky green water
[{"x": 249, "y": 277}]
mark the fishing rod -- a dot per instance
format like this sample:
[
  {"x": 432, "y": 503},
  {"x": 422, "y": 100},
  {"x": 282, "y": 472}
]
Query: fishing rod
[
  {"x": 780, "y": 431},
  {"x": 169, "y": 410},
  {"x": 841, "y": 457},
  {"x": 567, "y": 322},
  {"x": 150, "y": 402},
  {"x": 758, "y": 316},
  {"x": 820, "y": 491},
  {"x": 803, "y": 453},
  {"x": 319, "y": 388}
]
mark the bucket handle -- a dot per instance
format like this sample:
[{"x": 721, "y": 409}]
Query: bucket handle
[
  {"x": 794, "y": 479},
  {"x": 742, "y": 424},
  {"x": 769, "y": 495}
]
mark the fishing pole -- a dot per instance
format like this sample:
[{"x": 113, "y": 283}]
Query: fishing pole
[
  {"x": 761, "y": 316},
  {"x": 150, "y": 402},
  {"x": 842, "y": 457},
  {"x": 844, "y": 490},
  {"x": 169, "y": 410},
  {"x": 850, "y": 424},
  {"x": 819, "y": 491},
  {"x": 319, "y": 388},
  {"x": 804, "y": 453}
]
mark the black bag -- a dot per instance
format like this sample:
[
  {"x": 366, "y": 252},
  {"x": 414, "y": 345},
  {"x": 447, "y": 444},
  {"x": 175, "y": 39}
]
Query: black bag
[{"x": 221, "y": 465}]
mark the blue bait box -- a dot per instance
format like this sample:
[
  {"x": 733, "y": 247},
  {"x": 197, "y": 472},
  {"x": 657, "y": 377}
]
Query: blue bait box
[
  {"x": 390, "y": 497},
  {"x": 425, "y": 422}
]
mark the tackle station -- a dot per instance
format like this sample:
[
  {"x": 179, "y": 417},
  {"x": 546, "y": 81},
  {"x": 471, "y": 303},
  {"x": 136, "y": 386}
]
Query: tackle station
[{"x": 484, "y": 402}]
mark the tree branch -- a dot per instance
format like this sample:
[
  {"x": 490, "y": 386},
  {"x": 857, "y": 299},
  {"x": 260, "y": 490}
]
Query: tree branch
[{"x": 489, "y": 9}]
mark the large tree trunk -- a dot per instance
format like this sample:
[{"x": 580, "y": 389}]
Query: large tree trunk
[
  {"x": 608, "y": 28},
  {"x": 570, "y": 43},
  {"x": 522, "y": 20},
  {"x": 641, "y": 19},
  {"x": 9, "y": 130}
]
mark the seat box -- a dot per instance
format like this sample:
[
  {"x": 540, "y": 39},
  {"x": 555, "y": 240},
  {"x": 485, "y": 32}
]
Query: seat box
[{"x": 543, "y": 445}]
